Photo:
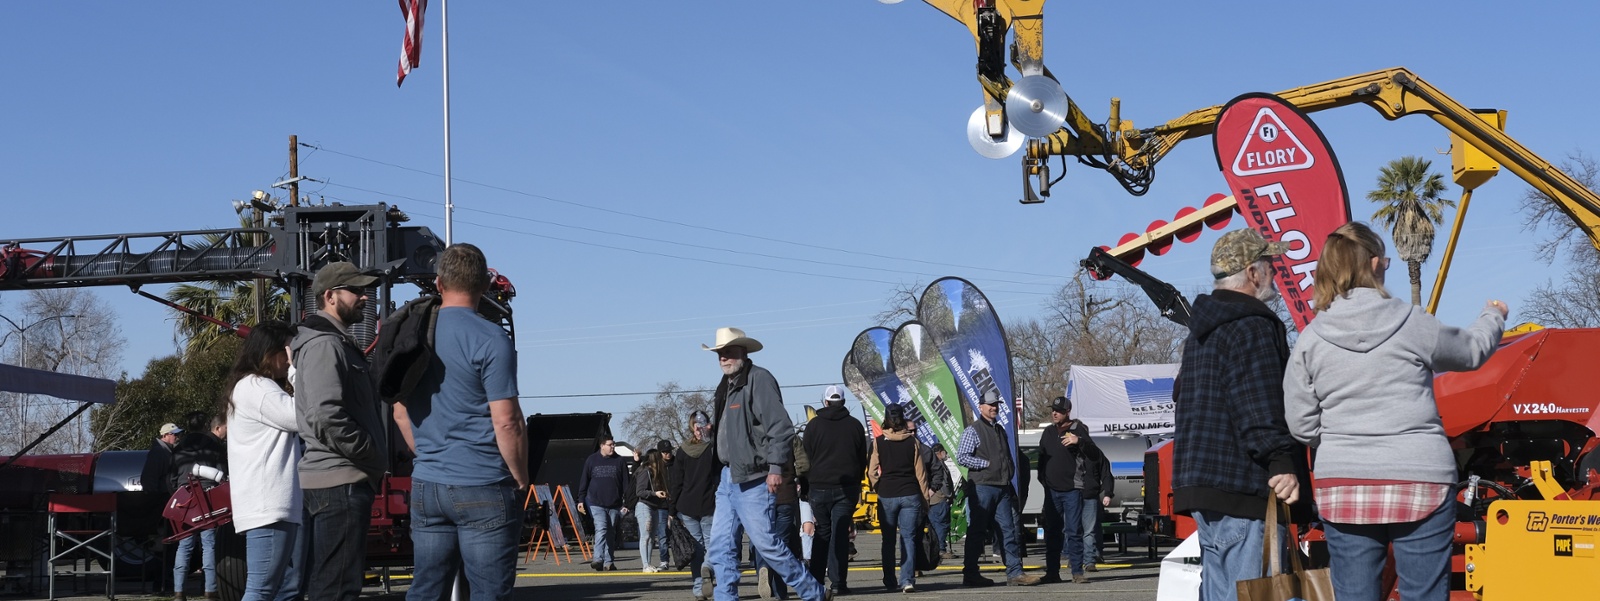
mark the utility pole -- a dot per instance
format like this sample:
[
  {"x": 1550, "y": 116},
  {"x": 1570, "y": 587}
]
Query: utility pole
[{"x": 294, "y": 170}]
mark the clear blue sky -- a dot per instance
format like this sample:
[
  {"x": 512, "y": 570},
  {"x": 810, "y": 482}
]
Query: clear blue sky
[{"x": 805, "y": 126}]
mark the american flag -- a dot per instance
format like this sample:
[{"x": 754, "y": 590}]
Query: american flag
[{"x": 411, "y": 51}]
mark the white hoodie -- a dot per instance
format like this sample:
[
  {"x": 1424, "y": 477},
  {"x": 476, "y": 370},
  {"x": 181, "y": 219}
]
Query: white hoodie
[
  {"x": 263, "y": 452},
  {"x": 1359, "y": 387}
]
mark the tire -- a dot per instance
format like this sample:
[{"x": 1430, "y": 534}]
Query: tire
[{"x": 231, "y": 566}]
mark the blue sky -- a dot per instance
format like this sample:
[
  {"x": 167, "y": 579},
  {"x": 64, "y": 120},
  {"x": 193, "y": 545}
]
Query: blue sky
[{"x": 824, "y": 132}]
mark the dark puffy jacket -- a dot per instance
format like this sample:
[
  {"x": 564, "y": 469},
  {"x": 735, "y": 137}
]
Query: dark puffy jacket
[
  {"x": 197, "y": 448},
  {"x": 836, "y": 444}
]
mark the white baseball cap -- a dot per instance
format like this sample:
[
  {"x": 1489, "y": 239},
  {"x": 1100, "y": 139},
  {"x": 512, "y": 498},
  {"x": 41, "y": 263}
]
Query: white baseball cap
[{"x": 833, "y": 395}]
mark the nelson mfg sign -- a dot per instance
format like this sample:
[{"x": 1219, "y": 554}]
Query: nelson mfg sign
[{"x": 1130, "y": 398}]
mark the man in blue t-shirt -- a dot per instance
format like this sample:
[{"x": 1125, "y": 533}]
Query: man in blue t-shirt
[{"x": 467, "y": 430}]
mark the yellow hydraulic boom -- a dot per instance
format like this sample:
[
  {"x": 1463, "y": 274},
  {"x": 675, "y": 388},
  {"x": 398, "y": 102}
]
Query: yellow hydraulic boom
[{"x": 1131, "y": 154}]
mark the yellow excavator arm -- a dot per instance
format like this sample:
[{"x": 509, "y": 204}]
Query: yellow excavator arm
[{"x": 1130, "y": 154}]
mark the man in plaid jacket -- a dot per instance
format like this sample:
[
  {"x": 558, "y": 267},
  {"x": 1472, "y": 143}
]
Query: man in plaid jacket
[{"x": 1233, "y": 447}]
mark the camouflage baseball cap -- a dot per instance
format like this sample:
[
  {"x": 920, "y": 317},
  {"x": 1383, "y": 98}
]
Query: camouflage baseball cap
[{"x": 1238, "y": 249}]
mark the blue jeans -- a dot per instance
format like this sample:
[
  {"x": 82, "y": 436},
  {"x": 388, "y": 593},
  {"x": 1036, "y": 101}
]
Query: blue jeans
[
  {"x": 1066, "y": 528},
  {"x": 1091, "y": 531},
  {"x": 662, "y": 516},
  {"x": 992, "y": 505},
  {"x": 750, "y": 503},
  {"x": 645, "y": 516},
  {"x": 336, "y": 525},
  {"x": 273, "y": 560},
  {"x": 605, "y": 532},
  {"x": 464, "y": 529},
  {"x": 1230, "y": 551},
  {"x": 1357, "y": 553},
  {"x": 901, "y": 516},
  {"x": 939, "y": 514},
  {"x": 208, "y": 559},
  {"x": 786, "y": 527},
  {"x": 700, "y": 529},
  {"x": 830, "y": 547}
]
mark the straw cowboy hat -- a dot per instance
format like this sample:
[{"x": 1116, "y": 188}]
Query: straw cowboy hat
[{"x": 734, "y": 337}]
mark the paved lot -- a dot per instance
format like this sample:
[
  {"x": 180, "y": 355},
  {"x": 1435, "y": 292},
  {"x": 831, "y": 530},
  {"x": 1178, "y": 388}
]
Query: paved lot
[{"x": 1124, "y": 577}]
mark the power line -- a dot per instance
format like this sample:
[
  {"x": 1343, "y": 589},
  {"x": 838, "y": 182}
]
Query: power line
[{"x": 672, "y": 222}]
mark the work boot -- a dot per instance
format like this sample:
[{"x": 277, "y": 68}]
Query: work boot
[
  {"x": 975, "y": 580},
  {"x": 1023, "y": 580},
  {"x": 1090, "y": 567},
  {"x": 1079, "y": 578}
]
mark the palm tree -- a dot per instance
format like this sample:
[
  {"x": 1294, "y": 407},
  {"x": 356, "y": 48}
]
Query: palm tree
[
  {"x": 232, "y": 301},
  {"x": 1411, "y": 207}
]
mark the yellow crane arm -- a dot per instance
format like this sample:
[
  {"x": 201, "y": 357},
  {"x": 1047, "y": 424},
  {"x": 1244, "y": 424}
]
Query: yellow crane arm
[{"x": 1394, "y": 93}]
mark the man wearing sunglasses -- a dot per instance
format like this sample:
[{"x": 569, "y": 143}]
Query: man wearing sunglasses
[{"x": 346, "y": 446}]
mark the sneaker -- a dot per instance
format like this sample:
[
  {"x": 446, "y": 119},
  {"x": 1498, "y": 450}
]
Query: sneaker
[
  {"x": 1050, "y": 579},
  {"x": 661, "y": 567},
  {"x": 975, "y": 581},
  {"x": 1080, "y": 578},
  {"x": 947, "y": 555},
  {"x": 651, "y": 569},
  {"x": 764, "y": 582},
  {"x": 908, "y": 589},
  {"x": 611, "y": 567},
  {"x": 1023, "y": 580},
  {"x": 1090, "y": 567}
]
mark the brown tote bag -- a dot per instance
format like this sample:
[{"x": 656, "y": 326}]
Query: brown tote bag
[{"x": 1299, "y": 584}]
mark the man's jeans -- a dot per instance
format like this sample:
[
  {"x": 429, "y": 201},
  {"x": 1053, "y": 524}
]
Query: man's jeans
[
  {"x": 1230, "y": 551},
  {"x": 785, "y": 526},
  {"x": 991, "y": 505},
  {"x": 1067, "y": 528},
  {"x": 833, "y": 509},
  {"x": 901, "y": 516},
  {"x": 700, "y": 529},
  {"x": 208, "y": 559},
  {"x": 273, "y": 561},
  {"x": 605, "y": 532},
  {"x": 336, "y": 545},
  {"x": 464, "y": 529},
  {"x": 751, "y": 504},
  {"x": 1091, "y": 531},
  {"x": 663, "y": 515},
  {"x": 1357, "y": 553},
  {"x": 939, "y": 514}
]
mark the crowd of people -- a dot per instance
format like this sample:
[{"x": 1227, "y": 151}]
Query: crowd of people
[{"x": 308, "y": 449}]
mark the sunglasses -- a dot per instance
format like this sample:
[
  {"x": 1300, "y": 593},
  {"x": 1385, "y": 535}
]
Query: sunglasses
[{"x": 356, "y": 290}]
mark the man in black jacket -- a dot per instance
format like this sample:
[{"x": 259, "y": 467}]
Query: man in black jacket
[
  {"x": 836, "y": 444},
  {"x": 1097, "y": 488},
  {"x": 1062, "y": 446},
  {"x": 693, "y": 495},
  {"x": 155, "y": 478}
]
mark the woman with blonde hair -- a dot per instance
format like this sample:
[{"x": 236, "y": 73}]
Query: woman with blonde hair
[{"x": 1359, "y": 390}]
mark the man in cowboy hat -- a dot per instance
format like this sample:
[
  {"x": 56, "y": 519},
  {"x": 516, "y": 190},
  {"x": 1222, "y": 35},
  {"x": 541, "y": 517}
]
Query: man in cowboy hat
[{"x": 753, "y": 440}]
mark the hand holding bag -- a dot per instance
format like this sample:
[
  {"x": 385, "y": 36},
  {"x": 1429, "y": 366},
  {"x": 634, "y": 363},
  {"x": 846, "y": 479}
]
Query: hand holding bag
[{"x": 1299, "y": 584}]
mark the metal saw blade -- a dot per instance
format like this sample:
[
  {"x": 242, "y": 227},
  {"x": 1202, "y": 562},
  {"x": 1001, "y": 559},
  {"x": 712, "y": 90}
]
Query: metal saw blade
[
  {"x": 1036, "y": 106},
  {"x": 990, "y": 146}
]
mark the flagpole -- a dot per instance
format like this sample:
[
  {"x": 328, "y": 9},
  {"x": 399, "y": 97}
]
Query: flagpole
[{"x": 444, "y": 36}]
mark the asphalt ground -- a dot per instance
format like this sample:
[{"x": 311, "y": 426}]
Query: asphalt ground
[{"x": 1123, "y": 576}]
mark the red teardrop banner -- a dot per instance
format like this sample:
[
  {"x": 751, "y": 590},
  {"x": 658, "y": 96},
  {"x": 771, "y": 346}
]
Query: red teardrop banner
[{"x": 1287, "y": 183}]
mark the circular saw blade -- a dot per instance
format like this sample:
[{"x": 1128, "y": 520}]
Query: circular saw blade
[
  {"x": 990, "y": 146},
  {"x": 1036, "y": 106}
]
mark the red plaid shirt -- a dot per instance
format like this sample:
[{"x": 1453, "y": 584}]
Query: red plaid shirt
[{"x": 1359, "y": 501}]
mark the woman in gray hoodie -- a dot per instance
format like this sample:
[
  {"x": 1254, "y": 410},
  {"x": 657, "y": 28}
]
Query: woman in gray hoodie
[{"x": 1359, "y": 390}]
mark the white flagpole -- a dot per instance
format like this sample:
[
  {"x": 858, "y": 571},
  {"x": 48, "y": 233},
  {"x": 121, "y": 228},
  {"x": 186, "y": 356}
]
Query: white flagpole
[{"x": 444, "y": 36}]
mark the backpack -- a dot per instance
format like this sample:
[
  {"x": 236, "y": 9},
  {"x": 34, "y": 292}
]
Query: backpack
[{"x": 404, "y": 347}]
